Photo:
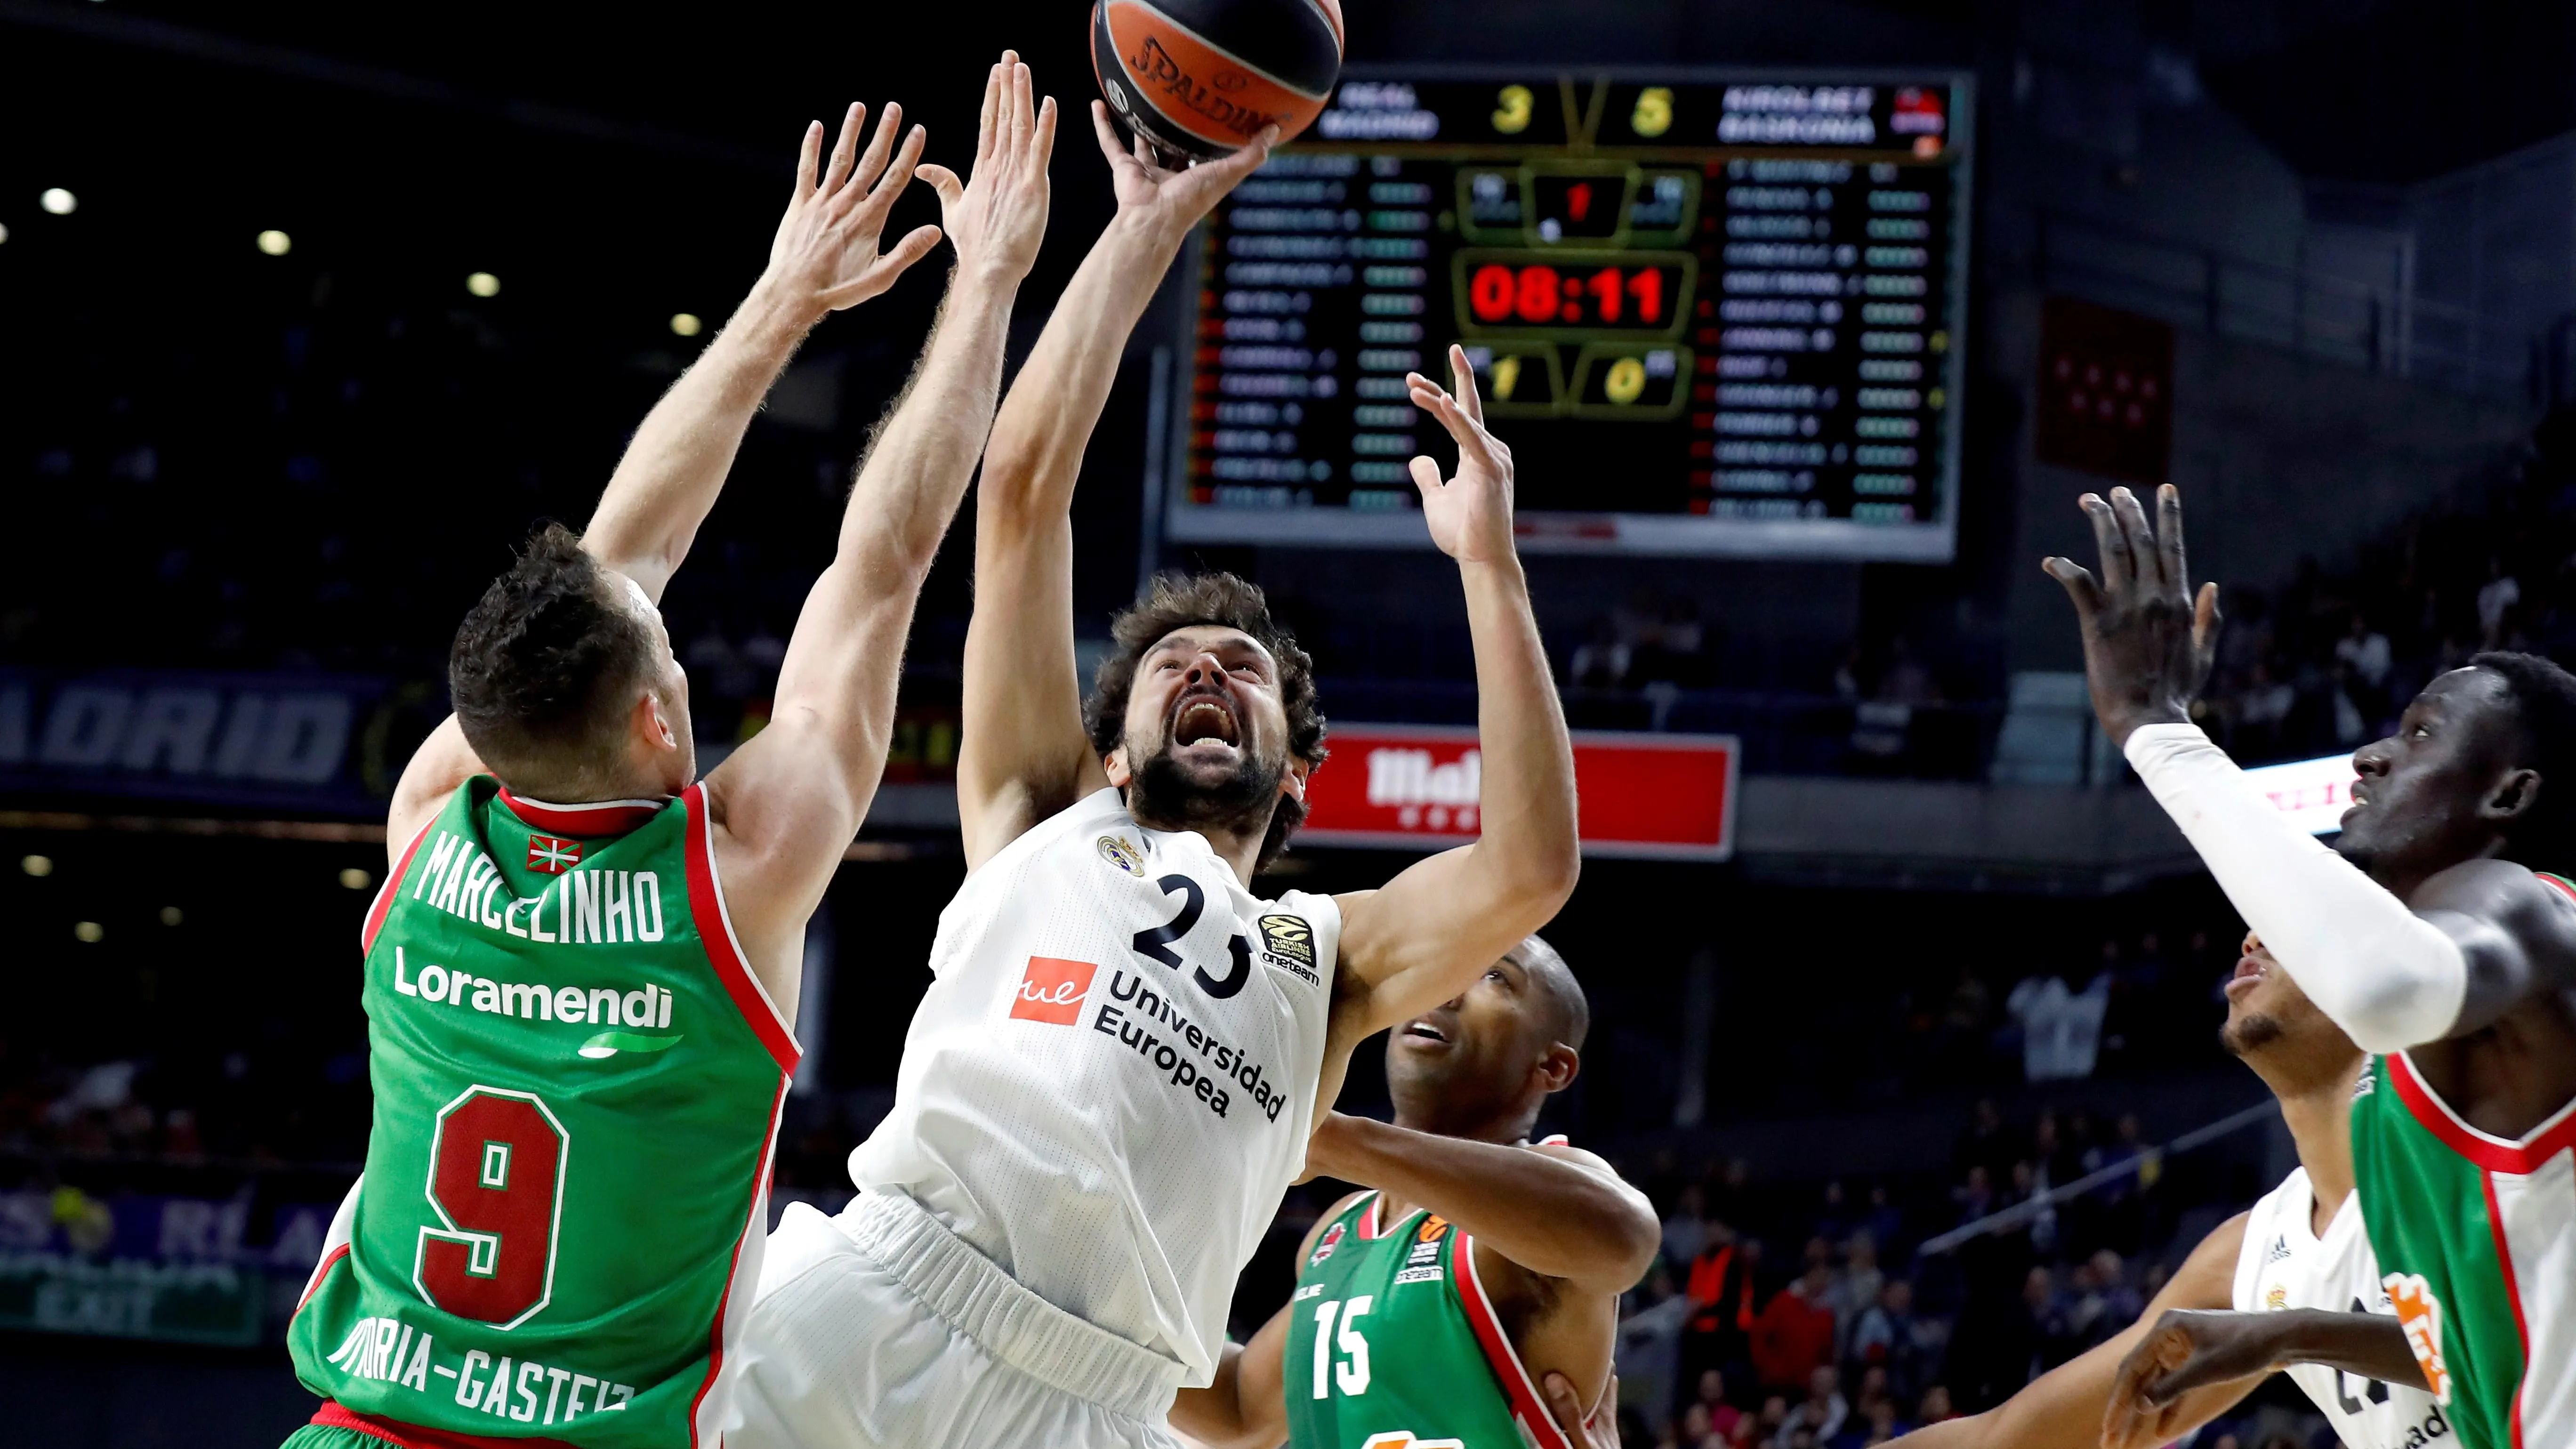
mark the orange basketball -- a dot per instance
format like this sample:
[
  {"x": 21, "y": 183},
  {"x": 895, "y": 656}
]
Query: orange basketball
[{"x": 1200, "y": 78}]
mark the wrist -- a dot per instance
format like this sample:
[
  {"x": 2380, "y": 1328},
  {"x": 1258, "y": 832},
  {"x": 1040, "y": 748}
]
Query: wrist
[
  {"x": 2118, "y": 728},
  {"x": 774, "y": 313},
  {"x": 1500, "y": 568},
  {"x": 1149, "y": 229}
]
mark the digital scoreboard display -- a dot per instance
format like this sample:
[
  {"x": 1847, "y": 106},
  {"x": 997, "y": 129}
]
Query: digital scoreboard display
[{"x": 1710, "y": 313}]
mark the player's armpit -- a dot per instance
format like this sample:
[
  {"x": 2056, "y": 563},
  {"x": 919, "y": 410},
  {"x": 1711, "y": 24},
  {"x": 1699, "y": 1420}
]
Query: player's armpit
[
  {"x": 2062, "y": 1409},
  {"x": 2516, "y": 934},
  {"x": 443, "y": 762}
]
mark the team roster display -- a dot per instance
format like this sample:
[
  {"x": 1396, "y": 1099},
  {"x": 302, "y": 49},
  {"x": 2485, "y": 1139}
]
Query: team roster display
[{"x": 1711, "y": 314}]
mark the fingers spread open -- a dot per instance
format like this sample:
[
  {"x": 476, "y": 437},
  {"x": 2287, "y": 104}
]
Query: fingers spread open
[
  {"x": 2143, "y": 558},
  {"x": 950, "y": 187},
  {"x": 872, "y": 162},
  {"x": 1463, "y": 378},
  {"x": 809, "y": 159},
  {"x": 2114, "y": 546},
  {"x": 1110, "y": 145},
  {"x": 2205, "y": 618},
  {"x": 1024, "y": 109},
  {"x": 1042, "y": 145},
  {"x": 844, "y": 148},
  {"x": 991, "y": 114},
  {"x": 2078, "y": 583},
  {"x": 2169, "y": 537},
  {"x": 1426, "y": 476}
]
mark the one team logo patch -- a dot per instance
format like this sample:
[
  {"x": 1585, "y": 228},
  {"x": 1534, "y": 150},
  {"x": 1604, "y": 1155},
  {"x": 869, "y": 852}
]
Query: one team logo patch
[
  {"x": 1051, "y": 990},
  {"x": 2420, "y": 1314},
  {"x": 1123, "y": 854},
  {"x": 551, "y": 855},
  {"x": 1324, "y": 1248}
]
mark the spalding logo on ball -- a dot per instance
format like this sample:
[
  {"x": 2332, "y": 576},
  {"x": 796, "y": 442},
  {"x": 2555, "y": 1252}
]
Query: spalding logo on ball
[{"x": 1198, "y": 79}]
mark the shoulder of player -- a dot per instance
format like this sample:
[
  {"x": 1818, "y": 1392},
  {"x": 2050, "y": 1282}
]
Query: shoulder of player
[{"x": 1331, "y": 1215}]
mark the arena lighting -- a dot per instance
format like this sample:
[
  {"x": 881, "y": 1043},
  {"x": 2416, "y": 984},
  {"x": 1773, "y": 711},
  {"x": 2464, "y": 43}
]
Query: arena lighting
[
  {"x": 4, "y": 233},
  {"x": 276, "y": 243},
  {"x": 89, "y": 933},
  {"x": 686, "y": 324},
  {"x": 2313, "y": 793},
  {"x": 172, "y": 915},
  {"x": 37, "y": 865},
  {"x": 58, "y": 202},
  {"x": 483, "y": 284},
  {"x": 356, "y": 879}
]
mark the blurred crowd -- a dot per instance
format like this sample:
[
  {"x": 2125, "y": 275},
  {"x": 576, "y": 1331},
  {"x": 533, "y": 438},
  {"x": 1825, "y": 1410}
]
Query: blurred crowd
[{"x": 2324, "y": 664}]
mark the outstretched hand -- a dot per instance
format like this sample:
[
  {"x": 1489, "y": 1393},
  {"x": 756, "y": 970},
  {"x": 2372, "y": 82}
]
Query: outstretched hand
[
  {"x": 1471, "y": 514},
  {"x": 1173, "y": 200},
  {"x": 825, "y": 254},
  {"x": 998, "y": 218},
  {"x": 1601, "y": 1431},
  {"x": 2148, "y": 640}
]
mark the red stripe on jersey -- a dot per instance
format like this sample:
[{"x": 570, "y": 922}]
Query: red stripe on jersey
[
  {"x": 1537, "y": 1424},
  {"x": 321, "y": 1271},
  {"x": 590, "y": 822},
  {"x": 2512, "y": 1295},
  {"x": 715, "y": 930},
  {"x": 2495, "y": 1154},
  {"x": 384, "y": 905},
  {"x": 751, "y": 1225},
  {"x": 333, "y": 1415}
]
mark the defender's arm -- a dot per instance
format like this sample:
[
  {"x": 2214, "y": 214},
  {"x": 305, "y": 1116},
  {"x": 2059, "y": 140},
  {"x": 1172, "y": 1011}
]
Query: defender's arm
[
  {"x": 2187, "y": 1350},
  {"x": 1557, "y": 1211},
  {"x": 2062, "y": 1408},
  {"x": 1422, "y": 938},
  {"x": 1022, "y": 754},
  {"x": 787, "y": 803},
  {"x": 824, "y": 258},
  {"x": 1247, "y": 1406}
]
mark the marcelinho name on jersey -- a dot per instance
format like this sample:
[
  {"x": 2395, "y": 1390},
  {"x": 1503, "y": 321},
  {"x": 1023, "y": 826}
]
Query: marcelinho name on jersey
[
  {"x": 1173, "y": 1054},
  {"x": 522, "y": 1390},
  {"x": 578, "y": 908}
]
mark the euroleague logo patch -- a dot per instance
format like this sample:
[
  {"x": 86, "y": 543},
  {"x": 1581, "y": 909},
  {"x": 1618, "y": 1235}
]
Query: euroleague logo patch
[
  {"x": 1289, "y": 941},
  {"x": 1052, "y": 989}
]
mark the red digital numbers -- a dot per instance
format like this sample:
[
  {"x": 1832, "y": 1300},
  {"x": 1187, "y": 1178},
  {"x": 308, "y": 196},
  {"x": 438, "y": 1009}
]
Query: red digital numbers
[
  {"x": 1539, "y": 294},
  {"x": 495, "y": 1176}
]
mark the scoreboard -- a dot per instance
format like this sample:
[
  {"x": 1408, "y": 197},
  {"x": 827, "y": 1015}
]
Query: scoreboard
[{"x": 1711, "y": 313}]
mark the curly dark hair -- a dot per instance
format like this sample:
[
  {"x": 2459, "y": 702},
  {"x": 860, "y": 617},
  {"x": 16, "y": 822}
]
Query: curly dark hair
[
  {"x": 1180, "y": 601},
  {"x": 545, "y": 664},
  {"x": 2544, "y": 702}
]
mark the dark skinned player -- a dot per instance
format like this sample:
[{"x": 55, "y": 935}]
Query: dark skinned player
[
  {"x": 2435, "y": 936},
  {"x": 1472, "y": 1294}
]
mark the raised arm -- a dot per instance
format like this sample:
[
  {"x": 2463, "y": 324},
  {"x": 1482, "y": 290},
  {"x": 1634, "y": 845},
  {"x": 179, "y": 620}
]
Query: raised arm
[
  {"x": 787, "y": 803},
  {"x": 1022, "y": 754},
  {"x": 1559, "y": 1212},
  {"x": 2473, "y": 940},
  {"x": 1424, "y": 937},
  {"x": 823, "y": 259}
]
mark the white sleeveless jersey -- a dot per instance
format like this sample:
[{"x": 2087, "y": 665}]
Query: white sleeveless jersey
[
  {"x": 2285, "y": 1265},
  {"x": 1111, "y": 1081}
]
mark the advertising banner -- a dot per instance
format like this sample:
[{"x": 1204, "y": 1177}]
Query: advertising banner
[{"x": 1417, "y": 786}]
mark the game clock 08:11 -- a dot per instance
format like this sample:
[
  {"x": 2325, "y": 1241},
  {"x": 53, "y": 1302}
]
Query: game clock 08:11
[{"x": 1617, "y": 293}]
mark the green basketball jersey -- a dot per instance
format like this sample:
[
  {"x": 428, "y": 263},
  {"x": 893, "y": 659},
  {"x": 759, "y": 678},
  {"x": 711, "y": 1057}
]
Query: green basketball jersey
[
  {"x": 1393, "y": 1344},
  {"x": 577, "y": 1084},
  {"x": 2476, "y": 1237}
]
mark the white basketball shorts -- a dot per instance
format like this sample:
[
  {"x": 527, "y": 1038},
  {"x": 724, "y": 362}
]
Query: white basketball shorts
[{"x": 881, "y": 1329}]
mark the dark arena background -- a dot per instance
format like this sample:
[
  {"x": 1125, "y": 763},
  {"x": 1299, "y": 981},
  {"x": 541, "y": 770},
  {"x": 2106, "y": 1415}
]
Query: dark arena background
[{"x": 1809, "y": 321}]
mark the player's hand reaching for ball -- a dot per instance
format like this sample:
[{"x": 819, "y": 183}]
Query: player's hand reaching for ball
[
  {"x": 2148, "y": 640},
  {"x": 1171, "y": 202},
  {"x": 825, "y": 255},
  {"x": 1471, "y": 514},
  {"x": 997, "y": 217}
]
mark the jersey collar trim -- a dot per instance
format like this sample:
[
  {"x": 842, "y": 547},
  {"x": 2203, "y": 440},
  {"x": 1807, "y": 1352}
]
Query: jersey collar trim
[
  {"x": 588, "y": 821},
  {"x": 2495, "y": 1154},
  {"x": 384, "y": 903},
  {"x": 1537, "y": 1423},
  {"x": 724, "y": 949}
]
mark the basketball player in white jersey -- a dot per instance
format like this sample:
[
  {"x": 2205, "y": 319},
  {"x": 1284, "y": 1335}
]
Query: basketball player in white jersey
[
  {"x": 1117, "y": 1066},
  {"x": 2301, "y": 1246}
]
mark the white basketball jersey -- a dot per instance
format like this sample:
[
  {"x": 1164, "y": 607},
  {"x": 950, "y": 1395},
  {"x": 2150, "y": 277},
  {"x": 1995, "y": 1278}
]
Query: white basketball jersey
[
  {"x": 1112, "y": 1079},
  {"x": 2285, "y": 1265}
]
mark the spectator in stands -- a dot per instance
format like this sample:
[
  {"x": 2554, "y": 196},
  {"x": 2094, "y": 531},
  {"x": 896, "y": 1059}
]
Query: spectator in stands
[
  {"x": 2496, "y": 602},
  {"x": 1685, "y": 1229},
  {"x": 1821, "y": 1413},
  {"x": 1884, "y": 1224},
  {"x": 1935, "y": 1406},
  {"x": 1889, "y": 1339},
  {"x": 2104, "y": 1302},
  {"x": 1718, "y": 1333},
  {"x": 1722, "y": 1416},
  {"x": 1857, "y": 1290},
  {"x": 1794, "y": 1335},
  {"x": 1601, "y": 660},
  {"x": 1648, "y": 1354},
  {"x": 1988, "y": 1141}
]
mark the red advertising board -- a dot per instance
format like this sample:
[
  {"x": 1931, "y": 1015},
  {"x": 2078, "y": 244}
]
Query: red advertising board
[{"x": 1416, "y": 787}]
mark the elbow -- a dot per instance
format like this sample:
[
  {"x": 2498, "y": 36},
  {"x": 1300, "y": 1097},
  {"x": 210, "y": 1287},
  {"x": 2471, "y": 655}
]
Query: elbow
[
  {"x": 1638, "y": 1239},
  {"x": 2396, "y": 999}
]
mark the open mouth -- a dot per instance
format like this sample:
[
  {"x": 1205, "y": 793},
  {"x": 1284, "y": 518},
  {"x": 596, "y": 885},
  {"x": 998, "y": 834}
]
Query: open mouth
[
  {"x": 1205, "y": 718},
  {"x": 1426, "y": 1031},
  {"x": 2249, "y": 969}
]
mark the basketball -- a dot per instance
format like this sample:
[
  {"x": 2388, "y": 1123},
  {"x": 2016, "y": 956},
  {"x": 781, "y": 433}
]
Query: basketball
[{"x": 1199, "y": 78}]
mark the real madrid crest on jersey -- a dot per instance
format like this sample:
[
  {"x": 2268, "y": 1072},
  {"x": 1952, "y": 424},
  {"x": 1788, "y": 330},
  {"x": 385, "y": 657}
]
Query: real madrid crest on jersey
[{"x": 1124, "y": 854}]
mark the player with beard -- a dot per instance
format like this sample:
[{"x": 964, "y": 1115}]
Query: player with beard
[
  {"x": 1113, "y": 1076},
  {"x": 2431, "y": 934},
  {"x": 1479, "y": 1267},
  {"x": 2301, "y": 1247}
]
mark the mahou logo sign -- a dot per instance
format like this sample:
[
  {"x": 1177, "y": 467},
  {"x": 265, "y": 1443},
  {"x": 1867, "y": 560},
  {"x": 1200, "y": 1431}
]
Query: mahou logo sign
[
  {"x": 1052, "y": 990},
  {"x": 1670, "y": 796}
]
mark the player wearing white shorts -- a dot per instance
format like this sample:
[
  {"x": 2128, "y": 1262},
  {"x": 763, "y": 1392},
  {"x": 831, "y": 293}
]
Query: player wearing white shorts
[
  {"x": 1124, "y": 1048},
  {"x": 2301, "y": 1246}
]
